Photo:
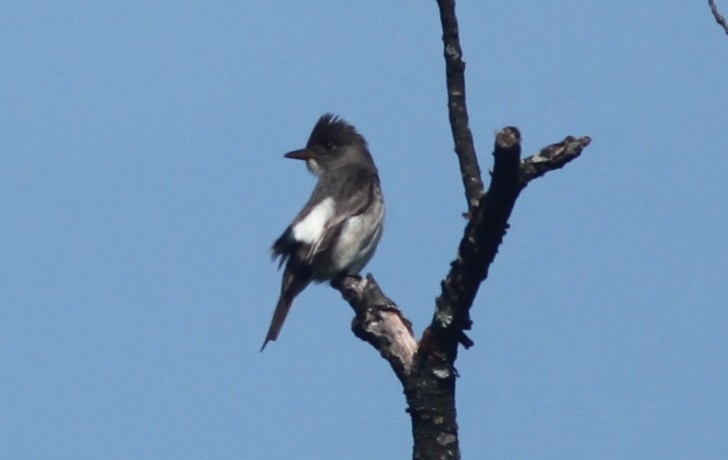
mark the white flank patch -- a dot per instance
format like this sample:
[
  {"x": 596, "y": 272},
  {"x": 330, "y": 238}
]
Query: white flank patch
[{"x": 311, "y": 228}]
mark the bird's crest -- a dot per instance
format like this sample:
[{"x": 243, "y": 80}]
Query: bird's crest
[{"x": 331, "y": 131}]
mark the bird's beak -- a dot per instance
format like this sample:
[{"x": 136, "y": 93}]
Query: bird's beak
[{"x": 303, "y": 154}]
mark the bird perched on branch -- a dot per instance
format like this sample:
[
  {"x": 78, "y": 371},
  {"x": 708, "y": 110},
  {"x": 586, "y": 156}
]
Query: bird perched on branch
[{"x": 339, "y": 228}]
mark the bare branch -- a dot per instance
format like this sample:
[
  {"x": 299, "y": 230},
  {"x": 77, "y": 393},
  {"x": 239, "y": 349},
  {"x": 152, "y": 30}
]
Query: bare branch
[
  {"x": 427, "y": 369},
  {"x": 458, "y": 111},
  {"x": 379, "y": 322},
  {"x": 718, "y": 17},
  {"x": 554, "y": 156},
  {"x": 489, "y": 223},
  {"x": 479, "y": 245}
]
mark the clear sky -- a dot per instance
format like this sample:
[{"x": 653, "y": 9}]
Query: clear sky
[{"x": 142, "y": 184}]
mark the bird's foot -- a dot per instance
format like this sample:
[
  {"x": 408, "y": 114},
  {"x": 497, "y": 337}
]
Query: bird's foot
[{"x": 339, "y": 279}]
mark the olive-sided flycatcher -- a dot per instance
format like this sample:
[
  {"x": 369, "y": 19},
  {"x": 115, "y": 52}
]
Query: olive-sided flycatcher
[{"x": 340, "y": 226}]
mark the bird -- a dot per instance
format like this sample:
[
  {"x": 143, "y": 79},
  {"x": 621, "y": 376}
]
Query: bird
[{"x": 340, "y": 226}]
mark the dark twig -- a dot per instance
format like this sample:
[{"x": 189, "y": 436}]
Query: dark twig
[
  {"x": 457, "y": 109},
  {"x": 718, "y": 17}
]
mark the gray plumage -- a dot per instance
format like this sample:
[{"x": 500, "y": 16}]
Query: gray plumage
[{"x": 338, "y": 229}]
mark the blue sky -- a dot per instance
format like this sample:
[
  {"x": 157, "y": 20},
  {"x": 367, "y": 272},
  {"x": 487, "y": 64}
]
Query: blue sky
[{"x": 142, "y": 183}]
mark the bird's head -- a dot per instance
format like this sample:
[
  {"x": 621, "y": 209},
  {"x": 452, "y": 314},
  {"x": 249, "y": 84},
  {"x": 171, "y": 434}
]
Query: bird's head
[{"x": 333, "y": 143}]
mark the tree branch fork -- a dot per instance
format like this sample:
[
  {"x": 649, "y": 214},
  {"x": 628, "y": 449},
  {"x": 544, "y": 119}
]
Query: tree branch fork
[
  {"x": 379, "y": 322},
  {"x": 426, "y": 367}
]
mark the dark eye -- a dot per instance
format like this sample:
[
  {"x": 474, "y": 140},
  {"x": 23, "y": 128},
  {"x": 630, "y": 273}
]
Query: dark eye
[{"x": 329, "y": 146}]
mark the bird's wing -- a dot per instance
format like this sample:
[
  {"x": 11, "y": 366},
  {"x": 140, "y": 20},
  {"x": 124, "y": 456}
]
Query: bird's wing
[
  {"x": 343, "y": 193},
  {"x": 353, "y": 188}
]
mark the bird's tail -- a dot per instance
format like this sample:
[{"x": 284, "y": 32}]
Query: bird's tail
[
  {"x": 284, "y": 305},
  {"x": 295, "y": 279}
]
